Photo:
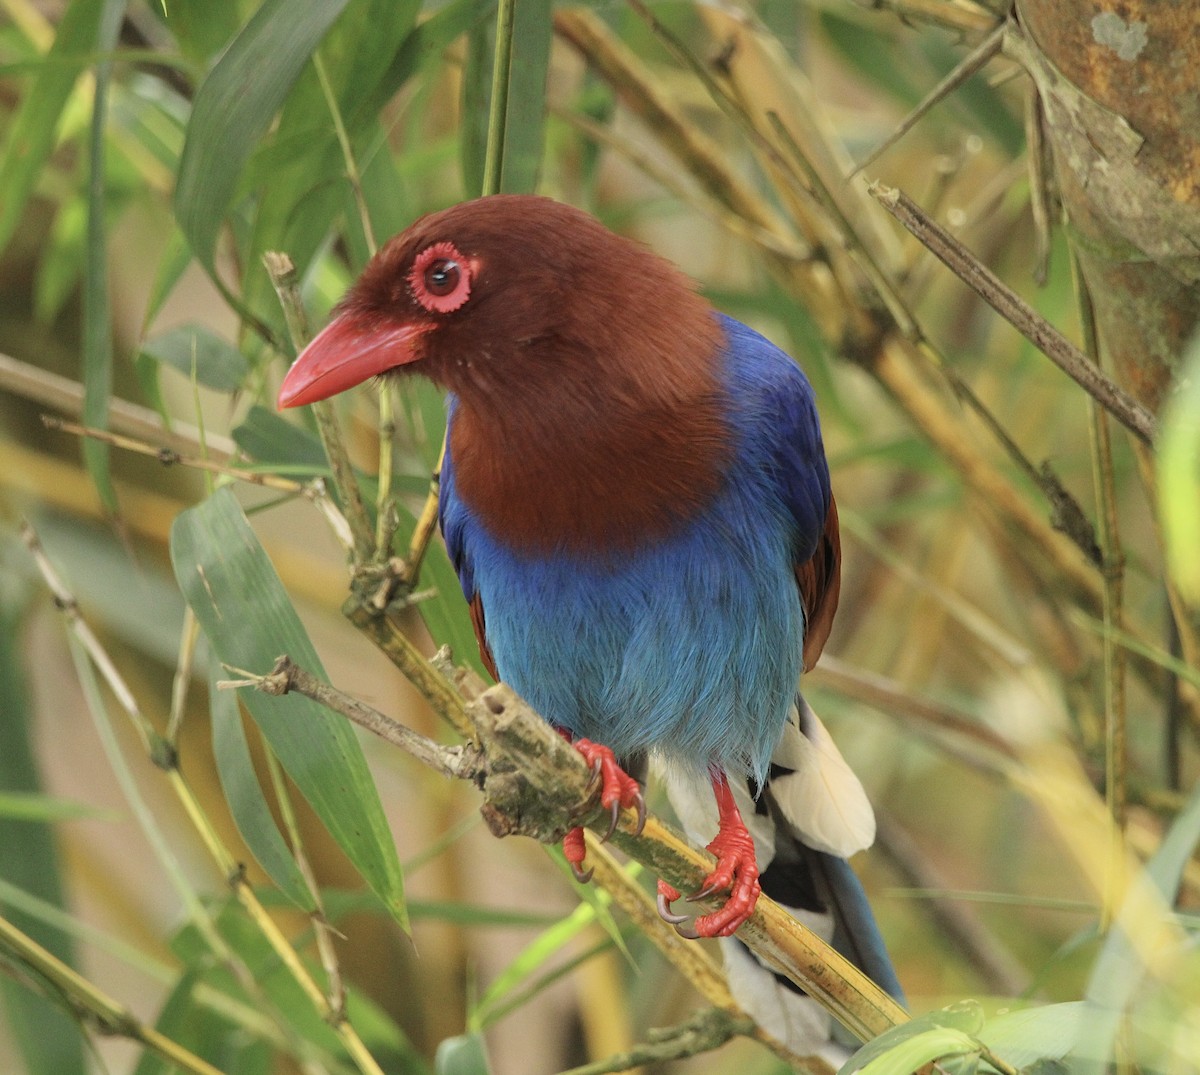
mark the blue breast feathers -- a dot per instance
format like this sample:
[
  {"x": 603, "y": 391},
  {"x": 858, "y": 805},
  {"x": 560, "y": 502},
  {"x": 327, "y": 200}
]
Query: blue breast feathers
[{"x": 692, "y": 645}]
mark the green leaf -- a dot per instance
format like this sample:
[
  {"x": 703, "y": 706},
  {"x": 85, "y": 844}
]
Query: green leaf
[
  {"x": 422, "y": 47},
  {"x": 533, "y": 28},
  {"x": 914, "y": 1052},
  {"x": 525, "y": 117},
  {"x": 247, "y": 804},
  {"x": 205, "y": 1032},
  {"x": 194, "y": 349},
  {"x": 48, "y": 1038},
  {"x": 1119, "y": 973},
  {"x": 176, "y": 258},
  {"x": 463, "y": 1055},
  {"x": 234, "y": 108},
  {"x": 34, "y": 128},
  {"x": 531, "y": 959},
  {"x": 1179, "y": 476},
  {"x": 61, "y": 260},
  {"x": 1048, "y": 1032},
  {"x": 249, "y": 621},
  {"x": 962, "y": 1019},
  {"x": 268, "y": 437}
]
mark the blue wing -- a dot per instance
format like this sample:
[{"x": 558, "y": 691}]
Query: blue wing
[{"x": 784, "y": 420}]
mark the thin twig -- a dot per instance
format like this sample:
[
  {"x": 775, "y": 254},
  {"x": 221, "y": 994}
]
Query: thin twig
[
  {"x": 972, "y": 62},
  {"x": 88, "y": 653},
  {"x": 283, "y": 277},
  {"x": 956, "y": 15},
  {"x": 322, "y": 931},
  {"x": 708, "y": 1029},
  {"x": 170, "y": 457},
  {"x": 457, "y": 762},
  {"x": 159, "y": 750},
  {"x": 1066, "y": 514},
  {"x": 65, "y": 395},
  {"x": 1017, "y": 312},
  {"x": 93, "y": 1005},
  {"x": 1116, "y": 746},
  {"x": 1039, "y": 195},
  {"x": 352, "y": 171},
  {"x": 426, "y": 525}
]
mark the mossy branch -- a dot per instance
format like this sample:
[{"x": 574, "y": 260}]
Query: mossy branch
[{"x": 535, "y": 784}]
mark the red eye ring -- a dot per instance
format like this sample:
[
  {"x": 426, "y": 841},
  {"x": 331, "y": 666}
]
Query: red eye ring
[{"x": 440, "y": 278}]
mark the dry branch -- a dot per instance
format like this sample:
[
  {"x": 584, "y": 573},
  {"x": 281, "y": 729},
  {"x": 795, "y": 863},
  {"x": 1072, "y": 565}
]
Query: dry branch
[{"x": 535, "y": 784}]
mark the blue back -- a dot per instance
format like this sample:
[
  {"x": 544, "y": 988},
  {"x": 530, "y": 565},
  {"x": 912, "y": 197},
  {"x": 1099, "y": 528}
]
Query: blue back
[{"x": 691, "y": 644}]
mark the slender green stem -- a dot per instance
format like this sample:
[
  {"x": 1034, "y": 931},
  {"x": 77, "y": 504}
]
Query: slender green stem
[
  {"x": 108, "y": 1014},
  {"x": 387, "y": 421},
  {"x": 1116, "y": 747},
  {"x": 384, "y": 522},
  {"x": 352, "y": 170},
  {"x": 493, "y": 162},
  {"x": 283, "y": 278},
  {"x": 493, "y": 174},
  {"x": 329, "y": 960}
]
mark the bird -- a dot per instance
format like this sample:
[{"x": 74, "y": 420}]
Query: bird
[{"x": 636, "y": 499}]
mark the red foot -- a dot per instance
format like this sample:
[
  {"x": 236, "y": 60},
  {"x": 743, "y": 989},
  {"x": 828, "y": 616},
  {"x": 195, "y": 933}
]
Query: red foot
[
  {"x": 618, "y": 790},
  {"x": 737, "y": 872},
  {"x": 575, "y": 851}
]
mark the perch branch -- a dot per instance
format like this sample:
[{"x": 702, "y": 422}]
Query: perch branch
[{"x": 536, "y": 784}]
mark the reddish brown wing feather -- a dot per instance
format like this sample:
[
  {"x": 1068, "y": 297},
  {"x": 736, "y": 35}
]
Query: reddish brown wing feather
[
  {"x": 485, "y": 651},
  {"x": 820, "y": 582}
]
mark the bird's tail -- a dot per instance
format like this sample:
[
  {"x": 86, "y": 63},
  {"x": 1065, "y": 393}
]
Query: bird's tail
[{"x": 810, "y": 815}]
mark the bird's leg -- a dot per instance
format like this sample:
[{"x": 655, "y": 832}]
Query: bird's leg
[
  {"x": 617, "y": 791},
  {"x": 737, "y": 871}
]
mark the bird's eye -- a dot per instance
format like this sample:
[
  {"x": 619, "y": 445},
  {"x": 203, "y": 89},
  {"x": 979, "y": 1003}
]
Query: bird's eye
[
  {"x": 440, "y": 279},
  {"x": 442, "y": 276}
]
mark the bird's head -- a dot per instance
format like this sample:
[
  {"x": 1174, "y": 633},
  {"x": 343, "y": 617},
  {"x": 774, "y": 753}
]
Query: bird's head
[{"x": 509, "y": 291}]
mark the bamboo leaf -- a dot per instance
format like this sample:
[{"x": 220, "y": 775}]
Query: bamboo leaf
[
  {"x": 949, "y": 1029},
  {"x": 194, "y": 350},
  {"x": 247, "y": 804},
  {"x": 34, "y": 127},
  {"x": 47, "y": 1036},
  {"x": 235, "y": 106},
  {"x": 249, "y": 621},
  {"x": 462, "y": 1055}
]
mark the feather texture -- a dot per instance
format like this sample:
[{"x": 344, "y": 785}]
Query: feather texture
[
  {"x": 691, "y": 639},
  {"x": 637, "y": 504}
]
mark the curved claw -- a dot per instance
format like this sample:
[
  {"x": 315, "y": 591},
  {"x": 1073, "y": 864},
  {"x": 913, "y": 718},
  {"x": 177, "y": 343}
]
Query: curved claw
[
  {"x": 596, "y": 779},
  {"x": 612, "y": 825},
  {"x": 581, "y": 875},
  {"x": 640, "y": 806},
  {"x": 666, "y": 914},
  {"x": 711, "y": 889},
  {"x": 688, "y": 932}
]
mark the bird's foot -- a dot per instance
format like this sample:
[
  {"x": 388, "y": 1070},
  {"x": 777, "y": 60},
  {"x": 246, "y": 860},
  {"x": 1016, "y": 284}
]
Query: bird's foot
[
  {"x": 736, "y": 872},
  {"x": 575, "y": 852},
  {"x": 618, "y": 791}
]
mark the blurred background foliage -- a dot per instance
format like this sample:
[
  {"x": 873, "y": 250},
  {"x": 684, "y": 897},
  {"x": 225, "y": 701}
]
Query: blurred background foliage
[{"x": 1001, "y": 689}]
